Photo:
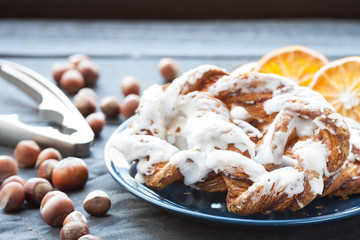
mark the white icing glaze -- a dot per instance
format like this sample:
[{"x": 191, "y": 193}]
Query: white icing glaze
[
  {"x": 288, "y": 161},
  {"x": 286, "y": 179},
  {"x": 270, "y": 82},
  {"x": 239, "y": 113},
  {"x": 181, "y": 84},
  {"x": 208, "y": 133},
  {"x": 340, "y": 121},
  {"x": 207, "y": 125},
  {"x": 296, "y": 99},
  {"x": 193, "y": 122},
  {"x": 321, "y": 125},
  {"x": 272, "y": 148},
  {"x": 192, "y": 165},
  {"x": 198, "y": 131},
  {"x": 223, "y": 159},
  {"x": 195, "y": 165},
  {"x": 145, "y": 148},
  {"x": 354, "y": 128},
  {"x": 248, "y": 129},
  {"x": 313, "y": 157},
  {"x": 351, "y": 156},
  {"x": 150, "y": 113}
]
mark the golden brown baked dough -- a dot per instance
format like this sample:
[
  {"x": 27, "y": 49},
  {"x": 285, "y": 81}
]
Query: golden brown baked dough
[
  {"x": 278, "y": 157},
  {"x": 347, "y": 181}
]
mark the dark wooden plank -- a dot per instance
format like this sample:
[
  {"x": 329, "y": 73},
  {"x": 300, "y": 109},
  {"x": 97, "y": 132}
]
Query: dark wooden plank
[
  {"x": 180, "y": 39},
  {"x": 184, "y": 9}
]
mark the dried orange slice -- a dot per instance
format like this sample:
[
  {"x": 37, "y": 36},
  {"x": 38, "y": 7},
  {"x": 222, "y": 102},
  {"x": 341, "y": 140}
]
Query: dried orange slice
[
  {"x": 298, "y": 63},
  {"x": 339, "y": 83}
]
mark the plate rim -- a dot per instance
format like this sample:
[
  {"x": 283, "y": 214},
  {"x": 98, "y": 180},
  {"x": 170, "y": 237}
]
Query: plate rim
[{"x": 119, "y": 178}]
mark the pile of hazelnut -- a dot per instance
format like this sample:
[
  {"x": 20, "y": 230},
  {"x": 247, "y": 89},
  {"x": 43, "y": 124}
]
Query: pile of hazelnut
[
  {"x": 56, "y": 208},
  {"x": 76, "y": 76},
  {"x": 79, "y": 74}
]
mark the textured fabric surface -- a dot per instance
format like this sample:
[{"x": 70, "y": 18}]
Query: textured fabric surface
[{"x": 123, "y": 48}]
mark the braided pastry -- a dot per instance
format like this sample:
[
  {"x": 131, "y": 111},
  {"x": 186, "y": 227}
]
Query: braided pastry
[{"x": 266, "y": 141}]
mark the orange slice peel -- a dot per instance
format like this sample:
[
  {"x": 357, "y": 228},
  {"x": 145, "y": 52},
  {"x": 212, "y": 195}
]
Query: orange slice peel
[
  {"x": 297, "y": 62},
  {"x": 339, "y": 83}
]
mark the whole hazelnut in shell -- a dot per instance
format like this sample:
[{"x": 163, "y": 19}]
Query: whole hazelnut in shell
[
  {"x": 46, "y": 154},
  {"x": 90, "y": 72},
  {"x": 12, "y": 196},
  {"x": 54, "y": 208},
  {"x": 72, "y": 81},
  {"x": 75, "y": 216},
  {"x": 26, "y": 153},
  {"x": 59, "y": 68},
  {"x": 14, "y": 178},
  {"x": 110, "y": 106},
  {"x": 46, "y": 168},
  {"x": 74, "y": 230},
  {"x": 36, "y": 189},
  {"x": 84, "y": 103},
  {"x": 75, "y": 59},
  {"x": 97, "y": 203},
  {"x": 89, "y": 237},
  {"x": 130, "y": 85},
  {"x": 96, "y": 122},
  {"x": 169, "y": 69},
  {"x": 70, "y": 173},
  {"x": 8, "y": 167},
  {"x": 129, "y": 105}
]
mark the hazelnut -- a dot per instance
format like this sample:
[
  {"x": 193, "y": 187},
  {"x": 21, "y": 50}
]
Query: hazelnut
[
  {"x": 8, "y": 167},
  {"x": 72, "y": 81},
  {"x": 85, "y": 104},
  {"x": 26, "y": 153},
  {"x": 129, "y": 105},
  {"x": 88, "y": 92},
  {"x": 130, "y": 85},
  {"x": 90, "y": 72},
  {"x": 46, "y": 168},
  {"x": 110, "y": 106},
  {"x": 97, "y": 203},
  {"x": 12, "y": 196},
  {"x": 96, "y": 122},
  {"x": 169, "y": 69},
  {"x": 35, "y": 189},
  {"x": 70, "y": 173},
  {"x": 75, "y": 216},
  {"x": 50, "y": 195},
  {"x": 58, "y": 70},
  {"x": 75, "y": 59},
  {"x": 89, "y": 237},
  {"x": 54, "y": 208},
  {"x": 46, "y": 154},
  {"x": 14, "y": 178},
  {"x": 74, "y": 230}
]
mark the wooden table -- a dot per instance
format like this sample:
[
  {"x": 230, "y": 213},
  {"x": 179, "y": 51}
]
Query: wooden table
[{"x": 134, "y": 47}]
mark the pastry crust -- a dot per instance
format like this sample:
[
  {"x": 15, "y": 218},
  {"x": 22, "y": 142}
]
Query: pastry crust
[
  {"x": 347, "y": 181},
  {"x": 295, "y": 103},
  {"x": 277, "y": 154}
]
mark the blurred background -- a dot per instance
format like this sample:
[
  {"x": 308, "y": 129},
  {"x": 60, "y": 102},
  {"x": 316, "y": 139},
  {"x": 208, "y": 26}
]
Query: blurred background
[{"x": 182, "y": 9}]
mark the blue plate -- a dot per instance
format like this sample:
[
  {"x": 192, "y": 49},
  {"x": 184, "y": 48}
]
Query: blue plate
[{"x": 211, "y": 207}]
